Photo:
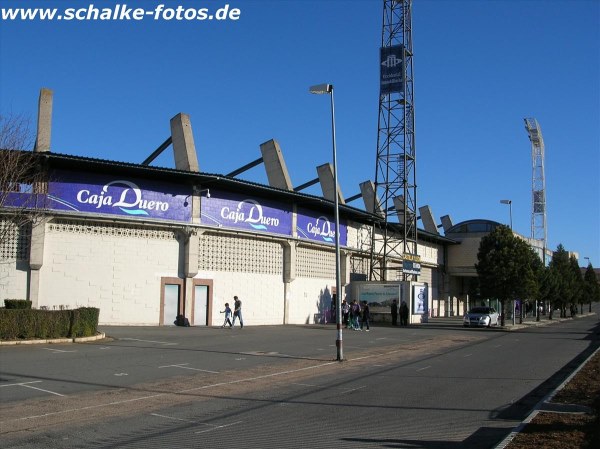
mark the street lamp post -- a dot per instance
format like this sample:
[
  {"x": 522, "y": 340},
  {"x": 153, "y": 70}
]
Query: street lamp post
[
  {"x": 588, "y": 265},
  {"x": 328, "y": 89},
  {"x": 509, "y": 202}
]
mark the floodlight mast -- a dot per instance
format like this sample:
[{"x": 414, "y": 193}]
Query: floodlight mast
[
  {"x": 395, "y": 171},
  {"x": 539, "y": 232}
]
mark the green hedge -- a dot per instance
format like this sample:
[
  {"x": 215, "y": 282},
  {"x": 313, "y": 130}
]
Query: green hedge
[
  {"x": 17, "y": 304},
  {"x": 19, "y": 324}
]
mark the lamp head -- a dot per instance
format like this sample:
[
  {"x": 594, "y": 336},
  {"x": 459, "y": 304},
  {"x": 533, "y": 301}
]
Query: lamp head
[
  {"x": 506, "y": 201},
  {"x": 321, "y": 89}
]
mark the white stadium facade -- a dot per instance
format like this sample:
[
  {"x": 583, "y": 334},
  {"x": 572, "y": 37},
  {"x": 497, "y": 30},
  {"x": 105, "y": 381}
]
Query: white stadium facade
[{"x": 144, "y": 244}]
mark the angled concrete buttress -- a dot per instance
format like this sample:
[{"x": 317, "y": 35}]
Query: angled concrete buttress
[
  {"x": 184, "y": 149},
  {"x": 446, "y": 222},
  {"x": 399, "y": 205},
  {"x": 372, "y": 205},
  {"x": 427, "y": 219},
  {"x": 277, "y": 172},
  {"x": 44, "y": 121},
  {"x": 325, "y": 173}
]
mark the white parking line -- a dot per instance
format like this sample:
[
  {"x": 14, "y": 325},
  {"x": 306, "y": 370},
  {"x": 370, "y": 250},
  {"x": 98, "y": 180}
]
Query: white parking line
[
  {"x": 424, "y": 368},
  {"x": 148, "y": 341},
  {"x": 217, "y": 427},
  {"x": 56, "y": 350},
  {"x": 353, "y": 389},
  {"x": 26, "y": 385},
  {"x": 183, "y": 366},
  {"x": 467, "y": 355},
  {"x": 170, "y": 417},
  {"x": 20, "y": 384},
  {"x": 45, "y": 391}
]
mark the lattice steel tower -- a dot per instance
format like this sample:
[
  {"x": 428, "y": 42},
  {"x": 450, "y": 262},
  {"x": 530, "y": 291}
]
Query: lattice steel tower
[
  {"x": 395, "y": 175},
  {"x": 538, "y": 189}
]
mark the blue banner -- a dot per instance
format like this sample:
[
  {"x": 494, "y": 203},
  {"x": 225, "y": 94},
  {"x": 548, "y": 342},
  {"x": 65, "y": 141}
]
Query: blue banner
[
  {"x": 312, "y": 226},
  {"x": 105, "y": 194},
  {"x": 225, "y": 209},
  {"x": 391, "y": 69}
]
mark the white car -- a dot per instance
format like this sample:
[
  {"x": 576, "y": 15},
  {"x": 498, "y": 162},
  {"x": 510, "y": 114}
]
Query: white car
[{"x": 481, "y": 317}]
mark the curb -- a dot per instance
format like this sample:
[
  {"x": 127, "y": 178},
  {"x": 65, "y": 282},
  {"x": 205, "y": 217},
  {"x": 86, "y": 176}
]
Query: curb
[
  {"x": 546, "y": 322},
  {"x": 99, "y": 336},
  {"x": 543, "y": 405}
]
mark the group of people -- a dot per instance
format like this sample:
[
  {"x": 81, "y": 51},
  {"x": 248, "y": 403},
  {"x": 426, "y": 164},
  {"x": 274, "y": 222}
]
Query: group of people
[
  {"x": 356, "y": 316},
  {"x": 403, "y": 311},
  {"x": 237, "y": 313}
]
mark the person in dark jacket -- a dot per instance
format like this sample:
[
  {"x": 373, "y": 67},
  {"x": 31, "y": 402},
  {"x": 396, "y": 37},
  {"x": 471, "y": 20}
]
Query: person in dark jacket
[
  {"x": 366, "y": 315},
  {"x": 394, "y": 308},
  {"x": 403, "y": 314}
]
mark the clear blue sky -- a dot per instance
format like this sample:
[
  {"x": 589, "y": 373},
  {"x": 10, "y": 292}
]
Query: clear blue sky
[{"x": 480, "y": 67}]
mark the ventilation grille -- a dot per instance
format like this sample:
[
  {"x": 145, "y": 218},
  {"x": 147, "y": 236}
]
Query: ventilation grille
[
  {"x": 14, "y": 241},
  {"x": 314, "y": 263},
  {"x": 239, "y": 254}
]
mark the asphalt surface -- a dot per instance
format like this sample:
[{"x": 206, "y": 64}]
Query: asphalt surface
[{"x": 435, "y": 385}]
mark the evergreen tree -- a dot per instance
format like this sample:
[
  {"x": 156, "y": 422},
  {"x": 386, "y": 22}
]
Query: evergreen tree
[
  {"x": 561, "y": 264},
  {"x": 507, "y": 268},
  {"x": 577, "y": 287},
  {"x": 591, "y": 286}
]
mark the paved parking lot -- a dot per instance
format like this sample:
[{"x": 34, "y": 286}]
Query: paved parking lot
[{"x": 435, "y": 385}]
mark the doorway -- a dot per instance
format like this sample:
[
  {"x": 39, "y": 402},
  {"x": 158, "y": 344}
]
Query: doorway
[
  {"x": 202, "y": 302},
  {"x": 171, "y": 300}
]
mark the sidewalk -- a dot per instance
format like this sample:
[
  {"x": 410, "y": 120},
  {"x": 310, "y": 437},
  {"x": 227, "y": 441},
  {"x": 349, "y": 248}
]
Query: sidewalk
[{"x": 528, "y": 322}]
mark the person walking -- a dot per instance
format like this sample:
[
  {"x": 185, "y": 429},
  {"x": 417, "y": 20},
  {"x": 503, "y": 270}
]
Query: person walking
[
  {"x": 227, "y": 313},
  {"x": 345, "y": 312},
  {"x": 394, "y": 308},
  {"x": 403, "y": 314},
  {"x": 237, "y": 312},
  {"x": 366, "y": 315},
  {"x": 354, "y": 315}
]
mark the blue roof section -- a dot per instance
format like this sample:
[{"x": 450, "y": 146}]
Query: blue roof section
[{"x": 473, "y": 226}]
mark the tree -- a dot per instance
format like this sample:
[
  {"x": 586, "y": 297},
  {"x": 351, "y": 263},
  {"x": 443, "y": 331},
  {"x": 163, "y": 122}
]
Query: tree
[
  {"x": 561, "y": 264},
  {"x": 549, "y": 288},
  {"x": 507, "y": 268},
  {"x": 591, "y": 286},
  {"x": 577, "y": 287},
  {"x": 22, "y": 179}
]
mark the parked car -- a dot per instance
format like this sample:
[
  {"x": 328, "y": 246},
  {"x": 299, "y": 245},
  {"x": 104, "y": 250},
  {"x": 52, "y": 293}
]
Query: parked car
[{"x": 481, "y": 316}]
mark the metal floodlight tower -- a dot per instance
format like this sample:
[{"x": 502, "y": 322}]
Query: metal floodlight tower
[
  {"x": 539, "y": 232},
  {"x": 395, "y": 175}
]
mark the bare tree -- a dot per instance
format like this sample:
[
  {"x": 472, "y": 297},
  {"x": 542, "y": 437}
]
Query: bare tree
[{"x": 22, "y": 179}]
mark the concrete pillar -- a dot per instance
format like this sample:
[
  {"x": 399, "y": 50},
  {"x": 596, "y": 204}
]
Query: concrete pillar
[
  {"x": 344, "y": 269},
  {"x": 184, "y": 149},
  {"x": 36, "y": 260},
  {"x": 188, "y": 264},
  {"x": 325, "y": 173},
  {"x": 289, "y": 274},
  {"x": 44, "y": 121},
  {"x": 275, "y": 165}
]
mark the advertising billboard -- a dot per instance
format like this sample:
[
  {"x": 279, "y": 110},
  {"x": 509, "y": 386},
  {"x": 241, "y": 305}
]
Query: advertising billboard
[
  {"x": 320, "y": 228},
  {"x": 391, "y": 69},
  {"x": 117, "y": 195},
  {"x": 233, "y": 210}
]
